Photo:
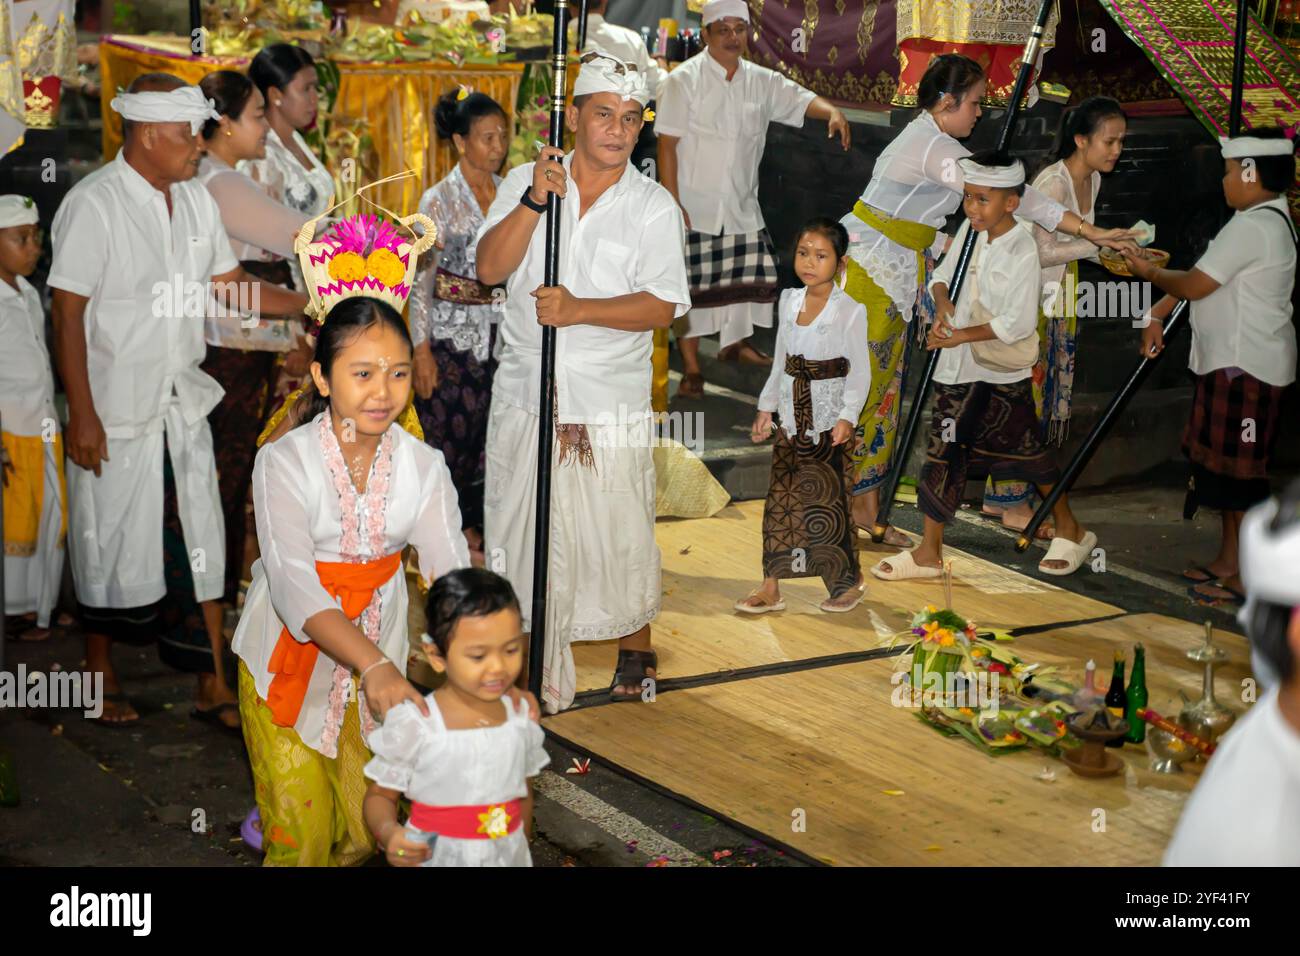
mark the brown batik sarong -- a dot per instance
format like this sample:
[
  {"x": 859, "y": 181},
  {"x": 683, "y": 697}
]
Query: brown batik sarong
[
  {"x": 807, "y": 531},
  {"x": 980, "y": 428}
]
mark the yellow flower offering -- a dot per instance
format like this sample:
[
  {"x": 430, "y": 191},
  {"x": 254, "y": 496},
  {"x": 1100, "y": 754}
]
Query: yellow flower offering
[
  {"x": 347, "y": 267},
  {"x": 648, "y": 115},
  {"x": 384, "y": 265}
]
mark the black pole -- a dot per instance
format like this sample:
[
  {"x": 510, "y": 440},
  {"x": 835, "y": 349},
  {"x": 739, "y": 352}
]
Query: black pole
[
  {"x": 196, "y": 24},
  {"x": 904, "y": 444},
  {"x": 582, "y": 26},
  {"x": 1177, "y": 319},
  {"x": 546, "y": 404}
]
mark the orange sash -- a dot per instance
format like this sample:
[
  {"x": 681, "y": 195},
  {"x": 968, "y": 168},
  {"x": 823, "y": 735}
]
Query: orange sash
[{"x": 292, "y": 662}]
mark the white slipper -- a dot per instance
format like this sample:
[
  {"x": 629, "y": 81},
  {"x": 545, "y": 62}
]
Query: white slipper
[
  {"x": 902, "y": 568},
  {"x": 744, "y": 608},
  {"x": 860, "y": 592},
  {"x": 1063, "y": 549}
]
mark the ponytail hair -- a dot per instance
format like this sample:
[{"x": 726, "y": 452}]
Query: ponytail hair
[
  {"x": 948, "y": 73},
  {"x": 344, "y": 323},
  {"x": 453, "y": 115},
  {"x": 1084, "y": 120}
]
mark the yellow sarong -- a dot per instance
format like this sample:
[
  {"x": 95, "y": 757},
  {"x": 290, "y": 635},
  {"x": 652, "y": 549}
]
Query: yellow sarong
[
  {"x": 24, "y": 493},
  {"x": 873, "y": 447},
  {"x": 310, "y": 804}
]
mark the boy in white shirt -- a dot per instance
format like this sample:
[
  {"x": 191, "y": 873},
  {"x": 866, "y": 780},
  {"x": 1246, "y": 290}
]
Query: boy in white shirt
[
  {"x": 1243, "y": 811},
  {"x": 984, "y": 412},
  {"x": 1243, "y": 345},
  {"x": 35, "y": 516}
]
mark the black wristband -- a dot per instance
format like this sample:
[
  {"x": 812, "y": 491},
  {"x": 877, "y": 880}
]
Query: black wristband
[{"x": 526, "y": 200}]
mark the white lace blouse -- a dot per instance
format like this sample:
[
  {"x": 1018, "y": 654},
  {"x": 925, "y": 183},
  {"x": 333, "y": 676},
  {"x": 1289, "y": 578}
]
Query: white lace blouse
[
  {"x": 452, "y": 206},
  {"x": 430, "y": 764},
  {"x": 918, "y": 178},
  {"x": 1057, "y": 250},
  {"x": 307, "y": 510},
  {"x": 839, "y": 331},
  {"x": 308, "y": 191}
]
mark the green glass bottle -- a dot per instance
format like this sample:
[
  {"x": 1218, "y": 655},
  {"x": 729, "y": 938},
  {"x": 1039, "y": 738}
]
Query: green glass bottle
[
  {"x": 1116, "y": 699},
  {"x": 1137, "y": 698}
]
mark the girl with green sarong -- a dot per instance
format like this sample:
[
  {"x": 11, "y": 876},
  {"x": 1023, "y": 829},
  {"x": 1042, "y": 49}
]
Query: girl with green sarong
[{"x": 894, "y": 240}]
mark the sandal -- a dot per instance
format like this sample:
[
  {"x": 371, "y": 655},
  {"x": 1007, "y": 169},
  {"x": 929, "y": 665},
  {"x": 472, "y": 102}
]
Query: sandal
[
  {"x": 1200, "y": 574},
  {"x": 120, "y": 699},
  {"x": 692, "y": 386},
  {"x": 744, "y": 607},
  {"x": 630, "y": 670},
  {"x": 859, "y": 592},
  {"x": 902, "y": 567},
  {"x": 1072, "y": 553},
  {"x": 213, "y": 716},
  {"x": 898, "y": 539},
  {"x": 1233, "y": 597}
]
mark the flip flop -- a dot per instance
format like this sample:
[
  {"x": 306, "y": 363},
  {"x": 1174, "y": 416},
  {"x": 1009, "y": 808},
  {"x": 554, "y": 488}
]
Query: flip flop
[
  {"x": 1236, "y": 598},
  {"x": 1200, "y": 574},
  {"x": 116, "y": 697},
  {"x": 213, "y": 716},
  {"x": 902, "y": 567},
  {"x": 1071, "y": 552},
  {"x": 829, "y": 608},
  {"x": 901, "y": 539},
  {"x": 764, "y": 608},
  {"x": 691, "y": 386}
]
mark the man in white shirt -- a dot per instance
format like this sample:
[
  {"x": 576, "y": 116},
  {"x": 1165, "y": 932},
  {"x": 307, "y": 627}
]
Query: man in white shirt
[
  {"x": 617, "y": 41},
  {"x": 1243, "y": 344},
  {"x": 984, "y": 416},
  {"x": 622, "y": 275},
  {"x": 711, "y": 120},
  {"x": 1245, "y": 810},
  {"x": 138, "y": 249}
]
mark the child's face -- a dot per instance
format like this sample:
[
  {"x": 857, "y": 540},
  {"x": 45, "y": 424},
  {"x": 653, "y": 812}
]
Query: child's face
[
  {"x": 484, "y": 656},
  {"x": 370, "y": 381},
  {"x": 815, "y": 260},
  {"x": 1241, "y": 186},
  {"x": 20, "y": 248},
  {"x": 987, "y": 206}
]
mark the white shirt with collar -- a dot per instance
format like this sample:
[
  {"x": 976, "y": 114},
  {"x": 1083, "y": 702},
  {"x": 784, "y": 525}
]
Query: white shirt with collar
[
  {"x": 1246, "y": 322},
  {"x": 623, "y": 43},
  {"x": 838, "y": 331},
  {"x": 26, "y": 379},
  {"x": 1009, "y": 278},
  {"x": 630, "y": 240},
  {"x": 722, "y": 128},
  {"x": 115, "y": 244}
]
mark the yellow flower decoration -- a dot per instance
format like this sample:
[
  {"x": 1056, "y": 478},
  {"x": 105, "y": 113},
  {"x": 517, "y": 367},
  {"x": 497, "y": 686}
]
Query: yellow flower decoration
[
  {"x": 462, "y": 93},
  {"x": 495, "y": 823},
  {"x": 648, "y": 115},
  {"x": 946, "y": 639},
  {"x": 384, "y": 265},
  {"x": 347, "y": 267}
]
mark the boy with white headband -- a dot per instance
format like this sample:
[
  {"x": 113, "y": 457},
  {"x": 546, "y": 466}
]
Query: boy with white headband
[
  {"x": 1243, "y": 345},
  {"x": 138, "y": 249},
  {"x": 712, "y": 118},
  {"x": 34, "y": 499},
  {"x": 622, "y": 275},
  {"x": 984, "y": 417}
]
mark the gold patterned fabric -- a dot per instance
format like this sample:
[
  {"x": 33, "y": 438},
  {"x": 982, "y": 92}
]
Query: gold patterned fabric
[
  {"x": 973, "y": 21},
  {"x": 310, "y": 804}
]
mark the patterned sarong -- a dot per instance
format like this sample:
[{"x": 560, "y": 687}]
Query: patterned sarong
[
  {"x": 730, "y": 268},
  {"x": 807, "y": 531},
  {"x": 981, "y": 427},
  {"x": 1233, "y": 422}
]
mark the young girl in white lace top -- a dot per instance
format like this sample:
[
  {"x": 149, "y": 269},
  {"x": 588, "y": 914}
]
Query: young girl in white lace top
[{"x": 466, "y": 765}]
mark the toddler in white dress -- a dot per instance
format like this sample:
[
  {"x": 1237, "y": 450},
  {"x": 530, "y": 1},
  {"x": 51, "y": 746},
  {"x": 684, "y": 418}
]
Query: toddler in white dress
[{"x": 465, "y": 767}]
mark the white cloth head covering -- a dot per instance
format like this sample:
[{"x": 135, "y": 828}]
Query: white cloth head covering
[
  {"x": 1006, "y": 177},
  {"x": 1268, "y": 571},
  {"x": 1240, "y": 147},
  {"x": 185, "y": 104},
  {"x": 603, "y": 73},
  {"x": 17, "y": 210},
  {"x": 720, "y": 9}
]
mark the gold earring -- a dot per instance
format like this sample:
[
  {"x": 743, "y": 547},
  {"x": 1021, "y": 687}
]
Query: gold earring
[{"x": 228, "y": 133}]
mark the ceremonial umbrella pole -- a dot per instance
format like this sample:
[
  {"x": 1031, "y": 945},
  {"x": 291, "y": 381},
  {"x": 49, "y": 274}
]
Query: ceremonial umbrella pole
[
  {"x": 582, "y": 26},
  {"x": 908, "y": 435},
  {"x": 1174, "y": 325},
  {"x": 546, "y": 404},
  {"x": 196, "y": 25}
]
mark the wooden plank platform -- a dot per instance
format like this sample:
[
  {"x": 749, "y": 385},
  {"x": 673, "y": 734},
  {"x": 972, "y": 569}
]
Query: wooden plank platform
[
  {"x": 829, "y": 742},
  {"x": 708, "y": 563}
]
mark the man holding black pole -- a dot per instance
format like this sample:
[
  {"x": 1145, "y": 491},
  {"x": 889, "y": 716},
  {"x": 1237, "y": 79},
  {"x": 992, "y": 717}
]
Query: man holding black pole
[{"x": 622, "y": 275}]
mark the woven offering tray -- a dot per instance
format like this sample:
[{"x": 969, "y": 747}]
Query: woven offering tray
[{"x": 1114, "y": 262}]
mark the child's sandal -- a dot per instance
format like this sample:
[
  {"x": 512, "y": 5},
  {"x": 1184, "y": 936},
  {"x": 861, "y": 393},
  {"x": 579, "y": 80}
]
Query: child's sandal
[{"x": 630, "y": 670}]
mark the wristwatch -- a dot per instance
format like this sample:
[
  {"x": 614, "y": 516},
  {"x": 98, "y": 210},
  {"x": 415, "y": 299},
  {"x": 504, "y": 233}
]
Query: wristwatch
[{"x": 526, "y": 200}]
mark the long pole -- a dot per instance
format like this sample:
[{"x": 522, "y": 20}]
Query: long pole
[
  {"x": 582, "y": 26},
  {"x": 196, "y": 24},
  {"x": 908, "y": 436},
  {"x": 546, "y": 403},
  {"x": 1173, "y": 326}
]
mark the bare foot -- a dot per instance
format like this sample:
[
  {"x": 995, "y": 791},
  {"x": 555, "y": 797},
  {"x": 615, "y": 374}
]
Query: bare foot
[
  {"x": 745, "y": 354},
  {"x": 850, "y": 599},
  {"x": 212, "y": 695}
]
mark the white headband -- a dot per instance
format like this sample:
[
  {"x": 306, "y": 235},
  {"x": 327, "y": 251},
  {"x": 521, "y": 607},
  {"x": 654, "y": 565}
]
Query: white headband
[
  {"x": 1240, "y": 147},
  {"x": 721, "y": 9},
  {"x": 17, "y": 211},
  {"x": 601, "y": 75},
  {"x": 1006, "y": 177},
  {"x": 185, "y": 104}
]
